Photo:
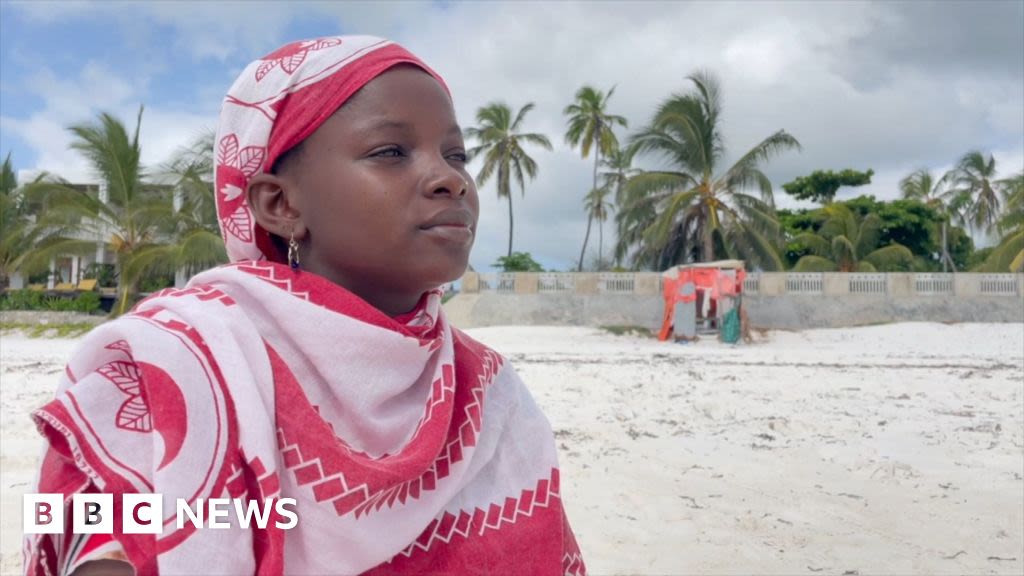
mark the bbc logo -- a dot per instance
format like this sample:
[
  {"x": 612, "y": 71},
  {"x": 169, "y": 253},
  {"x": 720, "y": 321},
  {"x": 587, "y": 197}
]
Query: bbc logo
[
  {"x": 144, "y": 513},
  {"x": 92, "y": 513}
]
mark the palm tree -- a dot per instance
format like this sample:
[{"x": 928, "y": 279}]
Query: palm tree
[
  {"x": 16, "y": 224},
  {"x": 195, "y": 242},
  {"x": 619, "y": 169},
  {"x": 619, "y": 164},
  {"x": 974, "y": 197},
  {"x": 598, "y": 206},
  {"x": 692, "y": 211},
  {"x": 921, "y": 186},
  {"x": 499, "y": 140},
  {"x": 846, "y": 242},
  {"x": 1008, "y": 255},
  {"x": 135, "y": 219},
  {"x": 591, "y": 126}
]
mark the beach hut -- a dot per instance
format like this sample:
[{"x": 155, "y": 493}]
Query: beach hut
[{"x": 698, "y": 296}]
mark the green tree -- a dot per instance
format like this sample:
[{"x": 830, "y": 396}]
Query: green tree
[
  {"x": 848, "y": 242},
  {"x": 921, "y": 186},
  {"x": 618, "y": 170},
  {"x": 591, "y": 126},
  {"x": 195, "y": 240},
  {"x": 518, "y": 262},
  {"x": 692, "y": 211},
  {"x": 134, "y": 218},
  {"x": 821, "y": 185},
  {"x": 16, "y": 224},
  {"x": 1008, "y": 255},
  {"x": 916, "y": 225},
  {"x": 910, "y": 223},
  {"x": 500, "y": 142},
  {"x": 793, "y": 223},
  {"x": 974, "y": 197}
]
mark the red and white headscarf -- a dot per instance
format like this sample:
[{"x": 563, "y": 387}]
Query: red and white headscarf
[
  {"x": 276, "y": 103},
  {"x": 408, "y": 446}
]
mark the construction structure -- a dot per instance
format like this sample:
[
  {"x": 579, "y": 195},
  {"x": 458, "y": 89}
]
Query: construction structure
[{"x": 698, "y": 297}]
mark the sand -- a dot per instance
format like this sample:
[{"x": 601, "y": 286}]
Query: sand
[{"x": 895, "y": 449}]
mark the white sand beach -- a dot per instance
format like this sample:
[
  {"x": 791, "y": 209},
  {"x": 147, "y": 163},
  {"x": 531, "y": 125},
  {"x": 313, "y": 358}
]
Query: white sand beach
[{"x": 894, "y": 449}]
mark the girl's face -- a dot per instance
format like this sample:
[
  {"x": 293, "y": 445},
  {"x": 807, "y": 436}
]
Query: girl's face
[{"x": 387, "y": 205}]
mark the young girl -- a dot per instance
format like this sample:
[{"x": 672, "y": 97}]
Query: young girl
[{"x": 318, "y": 365}]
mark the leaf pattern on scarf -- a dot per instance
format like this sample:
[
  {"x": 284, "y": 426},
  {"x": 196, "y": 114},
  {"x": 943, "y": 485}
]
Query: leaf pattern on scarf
[
  {"x": 239, "y": 224},
  {"x": 322, "y": 43},
  {"x": 134, "y": 412},
  {"x": 265, "y": 69},
  {"x": 250, "y": 160},
  {"x": 124, "y": 375},
  {"x": 121, "y": 345},
  {"x": 134, "y": 415},
  {"x": 291, "y": 63},
  {"x": 227, "y": 150},
  {"x": 291, "y": 56}
]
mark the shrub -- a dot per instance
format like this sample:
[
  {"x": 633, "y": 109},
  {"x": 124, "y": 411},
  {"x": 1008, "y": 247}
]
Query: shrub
[
  {"x": 105, "y": 274},
  {"x": 86, "y": 302},
  {"x": 518, "y": 262},
  {"x": 22, "y": 300}
]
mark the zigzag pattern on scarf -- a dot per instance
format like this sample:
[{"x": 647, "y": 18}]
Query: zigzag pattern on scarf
[
  {"x": 572, "y": 565},
  {"x": 345, "y": 498},
  {"x": 268, "y": 274},
  {"x": 203, "y": 292},
  {"x": 443, "y": 529},
  {"x": 267, "y": 481},
  {"x": 468, "y": 429}
]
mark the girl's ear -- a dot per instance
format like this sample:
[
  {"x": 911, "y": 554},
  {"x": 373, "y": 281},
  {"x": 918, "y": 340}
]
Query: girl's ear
[{"x": 269, "y": 199}]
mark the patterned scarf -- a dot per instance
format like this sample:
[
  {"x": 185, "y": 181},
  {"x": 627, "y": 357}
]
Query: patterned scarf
[{"x": 408, "y": 446}]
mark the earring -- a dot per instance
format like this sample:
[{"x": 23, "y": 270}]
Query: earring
[{"x": 293, "y": 252}]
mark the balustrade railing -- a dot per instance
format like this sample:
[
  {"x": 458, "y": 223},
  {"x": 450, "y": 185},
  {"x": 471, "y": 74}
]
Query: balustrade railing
[
  {"x": 765, "y": 284},
  {"x": 752, "y": 284},
  {"x": 862, "y": 283},
  {"x": 616, "y": 282},
  {"x": 555, "y": 282},
  {"x": 502, "y": 283},
  {"x": 998, "y": 284},
  {"x": 933, "y": 284},
  {"x": 805, "y": 283}
]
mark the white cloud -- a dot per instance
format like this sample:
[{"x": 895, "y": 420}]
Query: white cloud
[{"x": 80, "y": 99}]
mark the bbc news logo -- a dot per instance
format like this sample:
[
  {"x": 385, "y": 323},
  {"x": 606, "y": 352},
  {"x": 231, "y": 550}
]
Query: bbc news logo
[{"x": 143, "y": 513}]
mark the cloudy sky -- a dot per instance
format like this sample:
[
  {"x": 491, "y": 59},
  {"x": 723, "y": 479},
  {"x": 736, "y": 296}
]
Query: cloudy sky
[{"x": 889, "y": 86}]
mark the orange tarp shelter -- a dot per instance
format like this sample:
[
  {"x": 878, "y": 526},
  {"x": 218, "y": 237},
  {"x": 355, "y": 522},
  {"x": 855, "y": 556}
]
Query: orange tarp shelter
[{"x": 718, "y": 280}]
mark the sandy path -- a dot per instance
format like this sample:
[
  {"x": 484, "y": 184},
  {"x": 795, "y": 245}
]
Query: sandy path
[{"x": 890, "y": 449}]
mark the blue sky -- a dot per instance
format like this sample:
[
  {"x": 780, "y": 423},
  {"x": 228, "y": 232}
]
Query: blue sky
[
  {"x": 40, "y": 48},
  {"x": 884, "y": 85}
]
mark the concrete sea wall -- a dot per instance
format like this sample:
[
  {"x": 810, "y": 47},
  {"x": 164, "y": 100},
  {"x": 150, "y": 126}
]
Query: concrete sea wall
[{"x": 772, "y": 300}]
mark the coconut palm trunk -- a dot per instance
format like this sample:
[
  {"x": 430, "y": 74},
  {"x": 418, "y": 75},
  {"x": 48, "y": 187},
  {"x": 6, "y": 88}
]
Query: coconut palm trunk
[
  {"x": 947, "y": 260},
  {"x": 590, "y": 218},
  {"x": 708, "y": 248},
  {"x": 510, "y": 224},
  {"x": 126, "y": 289}
]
